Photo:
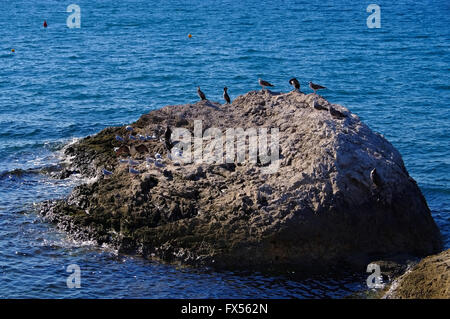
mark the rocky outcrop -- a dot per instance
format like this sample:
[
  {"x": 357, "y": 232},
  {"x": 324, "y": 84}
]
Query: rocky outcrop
[
  {"x": 429, "y": 279},
  {"x": 319, "y": 209}
]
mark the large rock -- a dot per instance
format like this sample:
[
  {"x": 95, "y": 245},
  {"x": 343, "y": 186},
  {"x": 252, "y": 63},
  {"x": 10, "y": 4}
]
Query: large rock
[
  {"x": 319, "y": 209},
  {"x": 430, "y": 278}
]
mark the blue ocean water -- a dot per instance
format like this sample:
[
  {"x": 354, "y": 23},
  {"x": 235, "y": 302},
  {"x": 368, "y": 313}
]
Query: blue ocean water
[{"x": 132, "y": 56}]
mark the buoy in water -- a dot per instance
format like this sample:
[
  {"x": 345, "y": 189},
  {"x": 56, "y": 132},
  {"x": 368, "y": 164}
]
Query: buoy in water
[
  {"x": 189, "y": 35},
  {"x": 12, "y": 50},
  {"x": 45, "y": 23}
]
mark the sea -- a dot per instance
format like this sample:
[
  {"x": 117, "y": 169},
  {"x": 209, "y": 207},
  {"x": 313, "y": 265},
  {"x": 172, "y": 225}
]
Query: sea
[{"x": 128, "y": 57}]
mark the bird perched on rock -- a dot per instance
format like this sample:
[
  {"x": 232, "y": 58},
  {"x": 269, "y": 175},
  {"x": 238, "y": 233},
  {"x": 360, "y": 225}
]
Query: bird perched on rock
[
  {"x": 294, "y": 82},
  {"x": 316, "y": 87},
  {"x": 168, "y": 138},
  {"x": 375, "y": 178},
  {"x": 159, "y": 164},
  {"x": 264, "y": 84},
  {"x": 133, "y": 171},
  {"x": 226, "y": 96},
  {"x": 200, "y": 94},
  {"x": 106, "y": 172},
  {"x": 132, "y": 162}
]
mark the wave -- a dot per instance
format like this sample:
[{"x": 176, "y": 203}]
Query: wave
[{"x": 20, "y": 173}]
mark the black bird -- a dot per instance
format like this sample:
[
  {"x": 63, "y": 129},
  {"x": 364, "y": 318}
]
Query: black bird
[
  {"x": 375, "y": 178},
  {"x": 201, "y": 94},
  {"x": 264, "y": 83},
  {"x": 167, "y": 138},
  {"x": 294, "y": 82},
  {"x": 226, "y": 96},
  {"x": 316, "y": 87}
]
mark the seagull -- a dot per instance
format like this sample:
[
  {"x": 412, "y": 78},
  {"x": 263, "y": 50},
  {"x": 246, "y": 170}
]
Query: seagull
[
  {"x": 129, "y": 128},
  {"x": 133, "y": 171},
  {"x": 133, "y": 162},
  {"x": 119, "y": 138},
  {"x": 264, "y": 83},
  {"x": 200, "y": 94},
  {"x": 106, "y": 172},
  {"x": 375, "y": 178},
  {"x": 315, "y": 87},
  {"x": 294, "y": 82},
  {"x": 179, "y": 153},
  {"x": 226, "y": 96},
  {"x": 159, "y": 164}
]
